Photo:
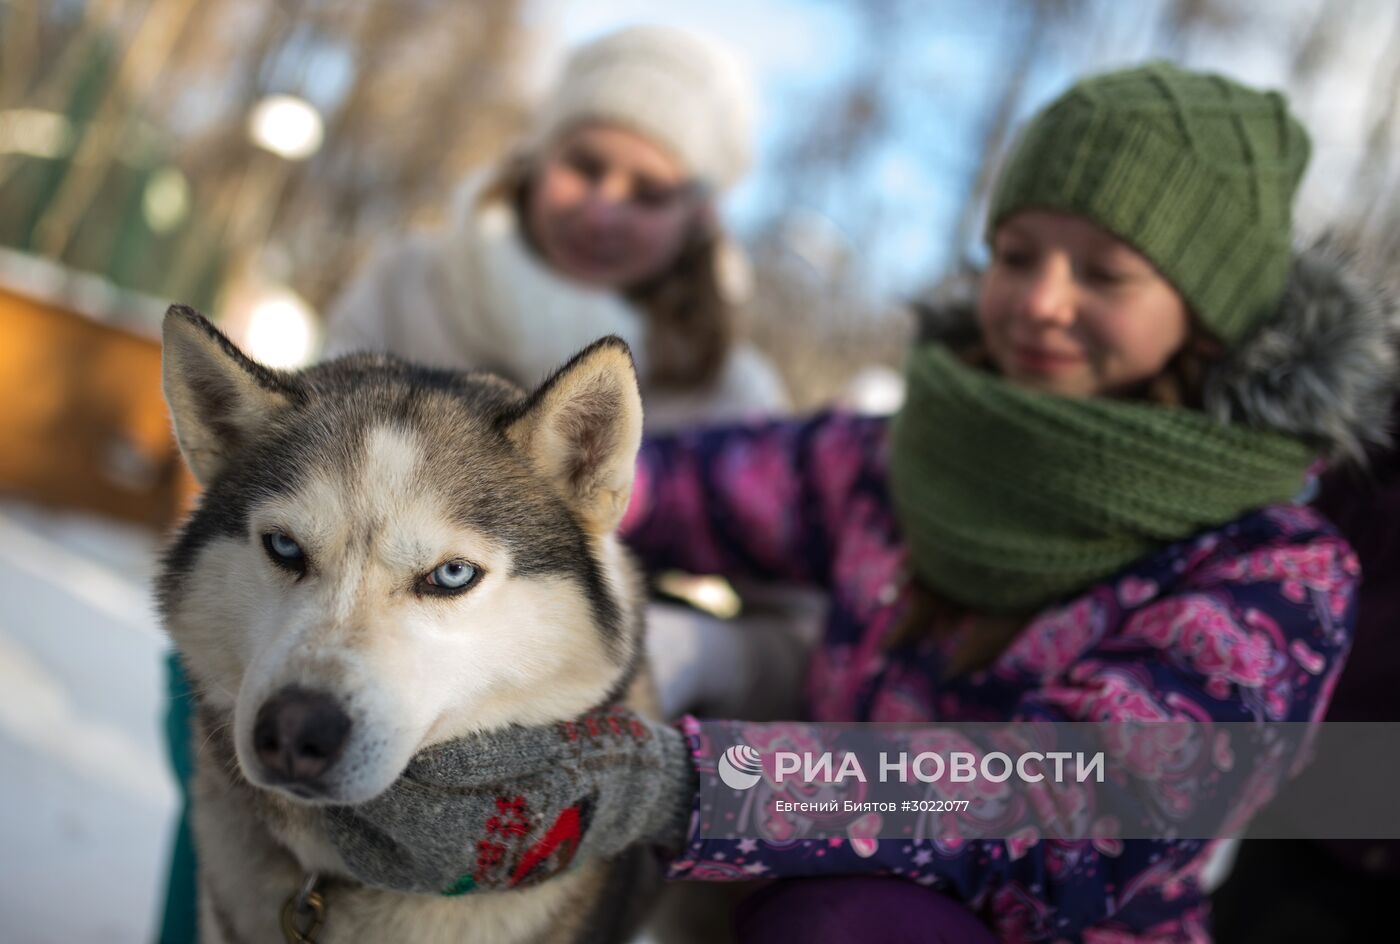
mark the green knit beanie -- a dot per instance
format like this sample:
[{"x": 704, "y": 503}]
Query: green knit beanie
[{"x": 1195, "y": 171}]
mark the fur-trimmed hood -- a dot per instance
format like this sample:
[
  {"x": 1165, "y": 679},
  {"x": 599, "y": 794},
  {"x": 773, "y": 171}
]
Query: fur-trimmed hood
[{"x": 1325, "y": 368}]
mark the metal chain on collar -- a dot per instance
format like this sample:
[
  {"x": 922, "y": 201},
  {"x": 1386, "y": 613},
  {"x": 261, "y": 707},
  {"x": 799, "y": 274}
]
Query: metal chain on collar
[{"x": 304, "y": 912}]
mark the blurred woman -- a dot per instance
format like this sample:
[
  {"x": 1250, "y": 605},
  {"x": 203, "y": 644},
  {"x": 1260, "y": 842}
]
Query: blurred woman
[{"x": 602, "y": 221}]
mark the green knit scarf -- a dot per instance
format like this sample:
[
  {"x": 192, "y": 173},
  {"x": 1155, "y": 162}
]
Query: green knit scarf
[{"x": 1011, "y": 499}]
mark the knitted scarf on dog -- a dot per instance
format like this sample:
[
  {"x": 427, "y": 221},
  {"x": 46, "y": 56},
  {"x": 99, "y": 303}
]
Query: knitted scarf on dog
[{"x": 1011, "y": 499}]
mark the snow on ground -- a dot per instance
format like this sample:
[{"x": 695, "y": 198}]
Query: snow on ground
[{"x": 86, "y": 801}]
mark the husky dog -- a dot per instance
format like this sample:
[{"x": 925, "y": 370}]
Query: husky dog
[{"x": 384, "y": 558}]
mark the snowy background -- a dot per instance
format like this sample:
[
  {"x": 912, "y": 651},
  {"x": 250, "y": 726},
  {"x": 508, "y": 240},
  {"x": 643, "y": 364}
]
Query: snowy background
[{"x": 88, "y": 803}]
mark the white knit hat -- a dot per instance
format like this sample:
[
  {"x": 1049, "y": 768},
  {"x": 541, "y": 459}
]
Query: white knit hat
[{"x": 687, "y": 93}]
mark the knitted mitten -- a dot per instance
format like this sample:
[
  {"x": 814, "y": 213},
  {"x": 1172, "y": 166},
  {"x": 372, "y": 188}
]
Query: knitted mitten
[{"x": 512, "y": 808}]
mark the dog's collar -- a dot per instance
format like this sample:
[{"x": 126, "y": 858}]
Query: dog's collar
[{"x": 304, "y": 911}]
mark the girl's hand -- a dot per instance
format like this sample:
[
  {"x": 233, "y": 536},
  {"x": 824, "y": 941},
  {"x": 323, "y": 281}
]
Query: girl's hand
[{"x": 514, "y": 807}]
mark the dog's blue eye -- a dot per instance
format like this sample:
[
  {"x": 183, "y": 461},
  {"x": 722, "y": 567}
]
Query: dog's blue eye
[
  {"x": 453, "y": 575},
  {"x": 284, "y": 551},
  {"x": 284, "y": 547}
]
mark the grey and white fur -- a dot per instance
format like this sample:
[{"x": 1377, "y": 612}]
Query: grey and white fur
[{"x": 322, "y": 655}]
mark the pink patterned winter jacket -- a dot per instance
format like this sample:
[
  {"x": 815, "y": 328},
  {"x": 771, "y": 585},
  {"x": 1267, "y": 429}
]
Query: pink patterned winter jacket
[{"x": 1251, "y": 620}]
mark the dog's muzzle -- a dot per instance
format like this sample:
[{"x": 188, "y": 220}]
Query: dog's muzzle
[{"x": 298, "y": 737}]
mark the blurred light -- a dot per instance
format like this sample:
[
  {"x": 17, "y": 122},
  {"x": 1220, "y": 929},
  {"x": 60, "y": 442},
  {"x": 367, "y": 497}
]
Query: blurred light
[
  {"x": 876, "y": 391},
  {"x": 710, "y": 594},
  {"x": 166, "y": 200},
  {"x": 35, "y": 132},
  {"x": 287, "y": 126},
  {"x": 281, "y": 329}
]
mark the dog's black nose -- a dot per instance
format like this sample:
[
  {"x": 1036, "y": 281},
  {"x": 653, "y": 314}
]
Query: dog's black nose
[{"x": 299, "y": 734}]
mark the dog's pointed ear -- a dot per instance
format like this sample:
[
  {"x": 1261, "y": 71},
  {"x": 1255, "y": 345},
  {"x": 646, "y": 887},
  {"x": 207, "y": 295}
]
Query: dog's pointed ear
[
  {"x": 582, "y": 429},
  {"x": 217, "y": 396}
]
